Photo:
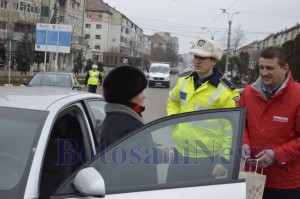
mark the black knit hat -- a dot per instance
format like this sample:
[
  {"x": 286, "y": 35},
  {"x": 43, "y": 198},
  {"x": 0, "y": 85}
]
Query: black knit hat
[{"x": 122, "y": 84}]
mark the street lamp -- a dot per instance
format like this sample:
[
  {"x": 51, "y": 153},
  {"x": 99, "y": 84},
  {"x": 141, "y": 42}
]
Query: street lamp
[
  {"x": 212, "y": 34},
  {"x": 230, "y": 16},
  {"x": 55, "y": 20}
]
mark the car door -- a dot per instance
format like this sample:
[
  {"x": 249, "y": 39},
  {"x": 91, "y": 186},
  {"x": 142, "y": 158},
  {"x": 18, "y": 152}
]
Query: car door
[
  {"x": 138, "y": 165},
  {"x": 97, "y": 114}
]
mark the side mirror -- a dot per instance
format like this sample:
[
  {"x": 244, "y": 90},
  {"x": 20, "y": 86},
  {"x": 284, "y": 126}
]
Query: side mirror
[
  {"x": 77, "y": 87},
  {"x": 89, "y": 182}
]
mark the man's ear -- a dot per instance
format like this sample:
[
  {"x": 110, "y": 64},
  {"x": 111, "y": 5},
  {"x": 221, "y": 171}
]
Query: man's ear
[
  {"x": 286, "y": 67},
  {"x": 214, "y": 61}
]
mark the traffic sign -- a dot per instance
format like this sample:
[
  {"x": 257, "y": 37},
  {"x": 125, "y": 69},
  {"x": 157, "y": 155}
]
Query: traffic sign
[
  {"x": 10, "y": 45},
  {"x": 53, "y": 38},
  {"x": 252, "y": 64}
]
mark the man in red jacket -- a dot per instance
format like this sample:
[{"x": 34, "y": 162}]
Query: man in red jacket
[{"x": 272, "y": 128}]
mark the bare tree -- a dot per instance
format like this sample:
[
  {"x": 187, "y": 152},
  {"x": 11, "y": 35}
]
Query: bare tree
[
  {"x": 238, "y": 37},
  {"x": 158, "y": 54},
  {"x": 24, "y": 22}
]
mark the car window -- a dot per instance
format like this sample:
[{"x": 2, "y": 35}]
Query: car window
[
  {"x": 75, "y": 80},
  {"x": 36, "y": 80},
  {"x": 148, "y": 158},
  {"x": 62, "y": 80},
  {"x": 19, "y": 130},
  {"x": 51, "y": 79},
  {"x": 159, "y": 69},
  {"x": 97, "y": 108}
]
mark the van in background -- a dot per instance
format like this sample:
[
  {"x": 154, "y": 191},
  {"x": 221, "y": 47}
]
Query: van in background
[{"x": 159, "y": 74}]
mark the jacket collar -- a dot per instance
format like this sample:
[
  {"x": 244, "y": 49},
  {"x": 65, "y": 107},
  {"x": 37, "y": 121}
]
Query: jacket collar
[
  {"x": 259, "y": 86},
  {"x": 111, "y": 107},
  {"x": 213, "y": 79}
]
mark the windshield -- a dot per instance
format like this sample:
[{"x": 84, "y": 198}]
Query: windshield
[
  {"x": 19, "y": 129},
  {"x": 59, "y": 80},
  {"x": 159, "y": 69}
]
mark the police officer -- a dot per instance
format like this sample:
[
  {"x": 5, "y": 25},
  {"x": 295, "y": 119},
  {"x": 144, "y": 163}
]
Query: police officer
[
  {"x": 201, "y": 89},
  {"x": 93, "y": 78}
]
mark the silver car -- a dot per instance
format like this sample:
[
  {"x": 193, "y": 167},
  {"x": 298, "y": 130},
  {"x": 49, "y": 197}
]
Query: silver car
[
  {"x": 55, "y": 79},
  {"x": 49, "y": 148}
]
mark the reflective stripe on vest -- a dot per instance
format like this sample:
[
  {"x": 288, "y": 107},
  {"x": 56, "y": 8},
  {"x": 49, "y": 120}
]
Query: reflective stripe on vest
[
  {"x": 184, "y": 102},
  {"x": 210, "y": 101},
  {"x": 214, "y": 96}
]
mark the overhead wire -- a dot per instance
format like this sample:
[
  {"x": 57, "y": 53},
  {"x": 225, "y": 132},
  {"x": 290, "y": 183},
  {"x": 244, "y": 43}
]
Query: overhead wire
[
  {"x": 187, "y": 30},
  {"x": 172, "y": 1}
]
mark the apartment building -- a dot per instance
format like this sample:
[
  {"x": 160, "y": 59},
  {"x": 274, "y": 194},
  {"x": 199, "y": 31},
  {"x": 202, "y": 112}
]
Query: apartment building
[
  {"x": 113, "y": 38},
  {"x": 172, "y": 42},
  {"x": 16, "y": 18},
  {"x": 274, "y": 39},
  {"x": 101, "y": 32},
  {"x": 19, "y": 17}
]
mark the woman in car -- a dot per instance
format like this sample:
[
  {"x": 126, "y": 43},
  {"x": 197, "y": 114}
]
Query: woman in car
[{"x": 123, "y": 91}]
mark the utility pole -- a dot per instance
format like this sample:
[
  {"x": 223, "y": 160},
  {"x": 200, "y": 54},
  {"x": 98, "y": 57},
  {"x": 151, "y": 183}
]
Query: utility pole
[
  {"x": 10, "y": 35},
  {"x": 230, "y": 16}
]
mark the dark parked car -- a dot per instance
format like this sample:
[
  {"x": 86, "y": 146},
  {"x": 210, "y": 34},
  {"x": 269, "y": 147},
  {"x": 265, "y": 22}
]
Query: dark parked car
[{"x": 55, "y": 79}]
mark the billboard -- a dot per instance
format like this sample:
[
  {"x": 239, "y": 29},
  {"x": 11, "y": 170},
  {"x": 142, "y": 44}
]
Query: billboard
[{"x": 53, "y": 38}]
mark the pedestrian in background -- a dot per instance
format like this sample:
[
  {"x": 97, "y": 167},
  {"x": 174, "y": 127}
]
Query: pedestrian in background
[
  {"x": 272, "y": 128},
  {"x": 93, "y": 79},
  {"x": 23, "y": 66},
  {"x": 76, "y": 68},
  {"x": 123, "y": 91},
  {"x": 201, "y": 89}
]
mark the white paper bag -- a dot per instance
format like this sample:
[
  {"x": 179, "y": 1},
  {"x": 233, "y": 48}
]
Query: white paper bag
[{"x": 255, "y": 183}]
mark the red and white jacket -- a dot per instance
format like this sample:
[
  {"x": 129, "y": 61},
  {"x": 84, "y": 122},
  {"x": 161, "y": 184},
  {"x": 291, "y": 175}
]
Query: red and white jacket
[{"x": 275, "y": 124}]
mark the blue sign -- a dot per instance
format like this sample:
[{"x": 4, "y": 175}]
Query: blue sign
[
  {"x": 65, "y": 38},
  {"x": 53, "y": 38}
]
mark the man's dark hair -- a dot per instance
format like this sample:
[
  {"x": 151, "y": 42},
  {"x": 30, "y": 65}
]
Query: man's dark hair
[{"x": 275, "y": 52}]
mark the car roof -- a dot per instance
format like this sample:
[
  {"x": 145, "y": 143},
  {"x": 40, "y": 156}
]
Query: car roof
[
  {"x": 38, "y": 98},
  {"x": 55, "y": 73}
]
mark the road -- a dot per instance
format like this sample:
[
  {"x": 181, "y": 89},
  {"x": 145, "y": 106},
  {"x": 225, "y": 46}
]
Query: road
[{"x": 155, "y": 102}]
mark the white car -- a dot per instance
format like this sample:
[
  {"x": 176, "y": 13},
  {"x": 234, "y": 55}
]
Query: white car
[
  {"x": 55, "y": 79},
  {"x": 48, "y": 148}
]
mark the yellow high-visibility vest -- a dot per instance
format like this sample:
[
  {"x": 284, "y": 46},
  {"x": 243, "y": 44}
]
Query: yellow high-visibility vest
[
  {"x": 94, "y": 77},
  {"x": 208, "y": 137}
]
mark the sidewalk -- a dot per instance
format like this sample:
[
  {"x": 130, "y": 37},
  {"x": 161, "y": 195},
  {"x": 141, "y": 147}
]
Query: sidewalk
[{"x": 28, "y": 73}]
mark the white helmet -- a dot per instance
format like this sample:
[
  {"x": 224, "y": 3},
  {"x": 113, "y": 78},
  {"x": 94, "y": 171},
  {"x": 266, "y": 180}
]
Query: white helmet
[
  {"x": 207, "y": 48},
  {"x": 95, "y": 66}
]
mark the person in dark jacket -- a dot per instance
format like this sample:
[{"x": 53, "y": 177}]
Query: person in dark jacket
[
  {"x": 123, "y": 91},
  {"x": 23, "y": 67}
]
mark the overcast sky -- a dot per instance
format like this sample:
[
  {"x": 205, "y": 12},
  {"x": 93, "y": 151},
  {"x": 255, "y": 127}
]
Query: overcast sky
[{"x": 189, "y": 19}]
